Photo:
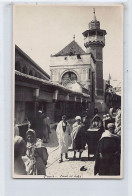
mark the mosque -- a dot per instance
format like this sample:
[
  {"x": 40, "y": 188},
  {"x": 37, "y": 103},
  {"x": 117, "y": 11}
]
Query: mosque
[
  {"x": 76, "y": 80},
  {"x": 82, "y": 70}
]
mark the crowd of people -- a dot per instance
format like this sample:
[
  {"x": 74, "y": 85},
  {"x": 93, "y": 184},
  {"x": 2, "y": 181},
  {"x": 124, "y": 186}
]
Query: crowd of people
[{"x": 107, "y": 156}]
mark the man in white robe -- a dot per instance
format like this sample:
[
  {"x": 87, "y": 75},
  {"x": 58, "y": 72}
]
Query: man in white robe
[{"x": 63, "y": 132}]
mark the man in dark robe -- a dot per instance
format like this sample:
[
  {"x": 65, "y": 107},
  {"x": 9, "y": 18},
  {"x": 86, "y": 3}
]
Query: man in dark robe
[{"x": 107, "y": 160}]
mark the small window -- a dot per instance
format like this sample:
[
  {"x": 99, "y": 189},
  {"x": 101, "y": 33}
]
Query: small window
[
  {"x": 100, "y": 33},
  {"x": 24, "y": 70},
  {"x": 89, "y": 73},
  {"x": 36, "y": 75},
  {"x": 92, "y": 33},
  {"x": 71, "y": 54},
  {"x": 30, "y": 73},
  {"x": 78, "y": 56}
]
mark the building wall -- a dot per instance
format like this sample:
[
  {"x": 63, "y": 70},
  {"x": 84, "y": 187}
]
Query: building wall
[
  {"x": 70, "y": 60},
  {"x": 98, "y": 54},
  {"x": 83, "y": 68}
]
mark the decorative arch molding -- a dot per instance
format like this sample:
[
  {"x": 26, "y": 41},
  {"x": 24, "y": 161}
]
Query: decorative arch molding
[{"x": 66, "y": 71}]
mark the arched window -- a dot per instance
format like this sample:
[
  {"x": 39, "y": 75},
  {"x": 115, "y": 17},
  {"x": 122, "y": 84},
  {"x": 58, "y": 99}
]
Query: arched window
[
  {"x": 30, "y": 73},
  {"x": 24, "y": 70},
  {"x": 36, "y": 75},
  {"x": 69, "y": 77},
  {"x": 17, "y": 66},
  {"x": 78, "y": 56}
]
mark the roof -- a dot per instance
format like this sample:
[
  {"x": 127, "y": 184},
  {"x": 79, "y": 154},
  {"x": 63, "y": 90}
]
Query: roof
[
  {"x": 31, "y": 61},
  {"x": 71, "y": 49},
  {"x": 50, "y": 83}
]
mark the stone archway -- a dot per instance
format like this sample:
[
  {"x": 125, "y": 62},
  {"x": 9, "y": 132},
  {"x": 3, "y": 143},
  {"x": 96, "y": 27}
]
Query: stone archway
[{"x": 68, "y": 77}]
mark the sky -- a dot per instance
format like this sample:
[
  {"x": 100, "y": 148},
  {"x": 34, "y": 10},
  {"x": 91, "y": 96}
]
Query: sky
[{"x": 42, "y": 30}]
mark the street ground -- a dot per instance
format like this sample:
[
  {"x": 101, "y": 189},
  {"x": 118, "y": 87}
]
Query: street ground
[{"x": 69, "y": 168}]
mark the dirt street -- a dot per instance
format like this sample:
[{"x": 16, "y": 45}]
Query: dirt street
[{"x": 69, "y": 168}]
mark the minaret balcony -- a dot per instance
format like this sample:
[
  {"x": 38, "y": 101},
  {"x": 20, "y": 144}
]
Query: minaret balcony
[{"x": 96, "y": 39}]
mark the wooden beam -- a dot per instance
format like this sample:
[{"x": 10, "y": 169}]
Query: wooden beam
[
  {"x": 67, "y": 97},
  {"x": 55, "y": 95}
]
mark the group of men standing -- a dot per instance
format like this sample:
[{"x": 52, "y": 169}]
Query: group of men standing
[
  {"x": 107, "y": 156},
  {"x": 75, "y": 135}
]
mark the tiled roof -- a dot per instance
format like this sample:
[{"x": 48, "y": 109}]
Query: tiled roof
[
  {"x": 71, "y": 49},
  {"x": 47, "y": 82}
]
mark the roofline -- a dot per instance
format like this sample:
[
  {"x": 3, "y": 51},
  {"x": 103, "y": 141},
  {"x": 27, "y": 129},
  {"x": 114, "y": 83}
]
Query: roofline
[
  {"x": 31, "y": 60},
  {"x": 76, "y": 54},
  {"x": 56, "y": 55}
]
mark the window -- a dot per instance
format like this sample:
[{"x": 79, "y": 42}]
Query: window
[
  {"x": 92, "y": 33},
  {"x": 68, "y": 77},
  {"x": 100, "y": 33},
  {"x": 89, "y": 73},
  {"x": 71, "y": 54},
  {"x": 78, "y": 56},
  {"x": 24, "y": 70},
  {"x": 30, "y": 73},
  {"x": 36, "y": 75}
]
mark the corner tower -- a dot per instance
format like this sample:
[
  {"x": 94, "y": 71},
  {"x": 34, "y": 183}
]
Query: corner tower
[{"x": 94, "y": 41}]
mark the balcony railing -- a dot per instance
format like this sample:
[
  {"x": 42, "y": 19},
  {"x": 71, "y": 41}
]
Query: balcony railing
[{"x": 95, "y": 39}]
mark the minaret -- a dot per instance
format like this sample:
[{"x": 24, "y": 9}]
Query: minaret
[{"x": 94, "y": 41}]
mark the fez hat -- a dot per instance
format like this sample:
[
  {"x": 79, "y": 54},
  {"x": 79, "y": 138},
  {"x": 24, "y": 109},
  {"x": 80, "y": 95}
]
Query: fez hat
[{"x": 78, "y": 118}]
